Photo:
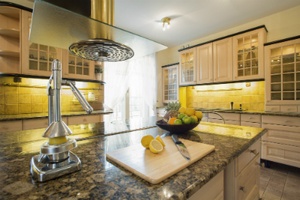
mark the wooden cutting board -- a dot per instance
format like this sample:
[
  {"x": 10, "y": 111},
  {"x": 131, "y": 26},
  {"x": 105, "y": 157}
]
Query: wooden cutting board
[{"x": 155, "y": 168}]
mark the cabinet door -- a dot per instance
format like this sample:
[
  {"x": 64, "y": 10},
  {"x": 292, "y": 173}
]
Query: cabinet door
[
  {"x": 222, "y": 54},
  {"x": 36, "y": 58},
  {"x": 283, "y": 73},
  {"x": 170, "y": 83},
  {"x": 204, "y": 64},
  {"x": 77, "y": 68},
  {"x": 10, "y": 34},
  {"x": 187, "y": 69},
  {"x": 248, "y": 55}
]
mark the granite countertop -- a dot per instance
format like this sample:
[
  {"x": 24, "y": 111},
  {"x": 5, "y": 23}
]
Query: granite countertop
[
  {"x": 45, "y": 115},
  {"x": 100, "y": 179},
  {"x": 288, "y": 114}
]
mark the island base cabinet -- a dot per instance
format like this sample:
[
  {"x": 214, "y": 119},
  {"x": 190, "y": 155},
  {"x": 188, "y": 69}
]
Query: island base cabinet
[
  {"x": 213, "y": 190},
  {"x": 242, "y": 175}
]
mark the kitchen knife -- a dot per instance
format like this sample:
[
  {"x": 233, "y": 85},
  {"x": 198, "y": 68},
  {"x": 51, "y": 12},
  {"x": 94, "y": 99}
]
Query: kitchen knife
[{"x": 181, "y": 147}]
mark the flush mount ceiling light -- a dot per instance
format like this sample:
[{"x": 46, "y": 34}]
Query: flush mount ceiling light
[{"x": 166, "y": 23}]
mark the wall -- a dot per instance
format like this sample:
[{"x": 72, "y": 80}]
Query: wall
[
  {"x": 280, "y": 25},
  {"x": 30, "y": 96}
]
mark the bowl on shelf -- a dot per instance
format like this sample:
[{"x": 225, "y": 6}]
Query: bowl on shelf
[{"x": 176, "y": 129}]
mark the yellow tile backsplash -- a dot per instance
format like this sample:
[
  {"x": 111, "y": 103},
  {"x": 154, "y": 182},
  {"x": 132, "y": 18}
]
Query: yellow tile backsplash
[
  {"x": 30, "y": 96},
  {"x": 250, "y": 94}
]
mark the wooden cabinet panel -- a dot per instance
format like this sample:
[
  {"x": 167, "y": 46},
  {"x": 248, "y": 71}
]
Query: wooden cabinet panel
[
  {"x": 282, "y": 141},
  {"x": 244, "y": 159},
  {"x": 251, "y": 118},
  {"x": 283, "y": 120},
  {"x": 207, "y": 193},
  {"x": 281, "y": 153},
  {"x": 222, "y": 58},
  {"x": 11, "y": 125},
  {"x": 242, "y": 175},
  {"x": 204, "y": 63},
  {"x": 83, "y": 119},
  {"x": 10, "y": 34}
]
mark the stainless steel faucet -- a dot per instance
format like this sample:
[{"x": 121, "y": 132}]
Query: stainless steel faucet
[{"x": 56, "y": 159}]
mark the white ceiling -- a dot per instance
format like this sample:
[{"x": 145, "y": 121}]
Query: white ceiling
[{"x": 190, "y": 19}]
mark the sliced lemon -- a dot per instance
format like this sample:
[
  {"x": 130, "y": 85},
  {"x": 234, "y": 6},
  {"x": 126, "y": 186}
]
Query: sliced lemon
[
  {"x": 158, "y": 138},
  {"x": 155, "y": 146},
  {"x": 146, "y": 140}
]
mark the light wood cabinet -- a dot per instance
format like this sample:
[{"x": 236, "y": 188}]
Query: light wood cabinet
[
  {"x": 282, "y": 141},
  {"x": 204, "y": 63},
  {"x": 10, "y": 40},
  {"x": 242, "y": 175},
  {"x": 222, "y": 57},
  {"x": 230, "y": 118},
  {"x": 15, "y": 125},
  {"x": 206, "y": 192},
  {"x": 251, "y": 120},
  {"x": 36, "y": 58},
  {"x": 170, "y": 83},
  {"x": 72, "y": 120},
  {"x": 283, "y": 75},
  {"x": 187, "y": 69},
  {"x": 248, "y": 55},
  {"x": 77, "y": 68}
]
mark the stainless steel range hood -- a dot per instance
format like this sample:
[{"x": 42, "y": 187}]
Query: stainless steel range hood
[{"x": 72, "y": 25}]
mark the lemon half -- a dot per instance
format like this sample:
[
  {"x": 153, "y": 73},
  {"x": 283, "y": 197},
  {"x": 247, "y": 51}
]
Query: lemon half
[
  {"x": 155, "y": 146},
  {"x": 158, "y": 138}
]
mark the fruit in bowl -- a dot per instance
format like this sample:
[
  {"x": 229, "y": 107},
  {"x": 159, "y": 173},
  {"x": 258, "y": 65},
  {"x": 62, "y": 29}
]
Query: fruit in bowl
[{"x": 180, "y": 121}]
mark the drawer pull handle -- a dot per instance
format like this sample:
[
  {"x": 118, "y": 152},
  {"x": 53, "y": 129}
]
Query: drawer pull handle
[
  {"x": 253, "y": 151},
  {"x": 242, "y": 188}
]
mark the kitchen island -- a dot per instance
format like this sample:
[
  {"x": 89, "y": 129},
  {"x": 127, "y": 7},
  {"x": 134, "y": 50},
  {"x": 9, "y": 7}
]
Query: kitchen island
[{"x": 101, "y": 179}]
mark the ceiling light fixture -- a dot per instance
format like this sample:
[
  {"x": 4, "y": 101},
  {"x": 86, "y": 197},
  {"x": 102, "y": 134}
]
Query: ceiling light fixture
[{"x": 166, "y": 23}]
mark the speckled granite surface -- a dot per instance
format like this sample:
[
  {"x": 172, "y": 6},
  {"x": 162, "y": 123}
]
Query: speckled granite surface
[
  {"x": 45, "y": 115},
  {"x": 100, "y": 179}
]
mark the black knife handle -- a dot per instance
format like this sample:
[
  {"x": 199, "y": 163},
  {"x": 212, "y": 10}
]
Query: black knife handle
[{"x": 175, "y": 139}]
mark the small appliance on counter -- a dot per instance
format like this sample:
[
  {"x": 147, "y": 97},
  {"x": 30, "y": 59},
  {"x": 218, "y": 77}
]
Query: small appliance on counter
[{"x": 55, "y": 158}]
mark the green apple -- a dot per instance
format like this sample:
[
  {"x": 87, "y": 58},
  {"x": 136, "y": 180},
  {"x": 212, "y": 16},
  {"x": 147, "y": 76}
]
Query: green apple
[
  {"x": 181, "y": 115},
  {"x": 187, "y": 120},
  {"x": 178, "y": 122}
]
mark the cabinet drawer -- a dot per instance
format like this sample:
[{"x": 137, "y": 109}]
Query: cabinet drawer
[
  {"x": 288, "y": 109},
  {"x": 11, "y": 126},
  {"x": 282, "y": 134},
  {"x": 37, "y": 123},
  {"x": 285, "y": 154},
  {"x": 283, "y": 120},
  {"x": 83, "y": 119},
  {"x": 252, "y": 124},
  {"x": 250, "y": 118},
  {"x": 226, "y": 116},
  {"x": 245, "y": 158},
  {"x": 248, "y": 181}
]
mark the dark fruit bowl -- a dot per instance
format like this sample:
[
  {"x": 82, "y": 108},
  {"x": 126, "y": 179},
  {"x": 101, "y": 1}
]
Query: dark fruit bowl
[{"x": 176, "y": 129}]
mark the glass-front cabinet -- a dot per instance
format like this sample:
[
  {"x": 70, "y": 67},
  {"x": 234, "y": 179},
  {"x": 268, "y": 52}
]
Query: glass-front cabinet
[
  {"x": 248, "y": 55},
  {"x": 170, "y": 83},
  {"x": 40, "y": 59},
  {"x": 76, "y": 67},
  {"x": 283, "y": 72},
  {"x": 187, "y": 68}
]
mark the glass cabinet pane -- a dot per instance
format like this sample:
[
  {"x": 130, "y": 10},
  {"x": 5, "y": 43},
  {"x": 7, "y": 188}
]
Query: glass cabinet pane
[
  {"x": 285, "y": 72},
  {"x": 170, "y": 83}
]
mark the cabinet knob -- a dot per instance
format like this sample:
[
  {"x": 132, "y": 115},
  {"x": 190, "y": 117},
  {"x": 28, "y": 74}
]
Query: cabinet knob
[
  {"x": 252, "y": 151},
  {"x": 242, "y": 188}
]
